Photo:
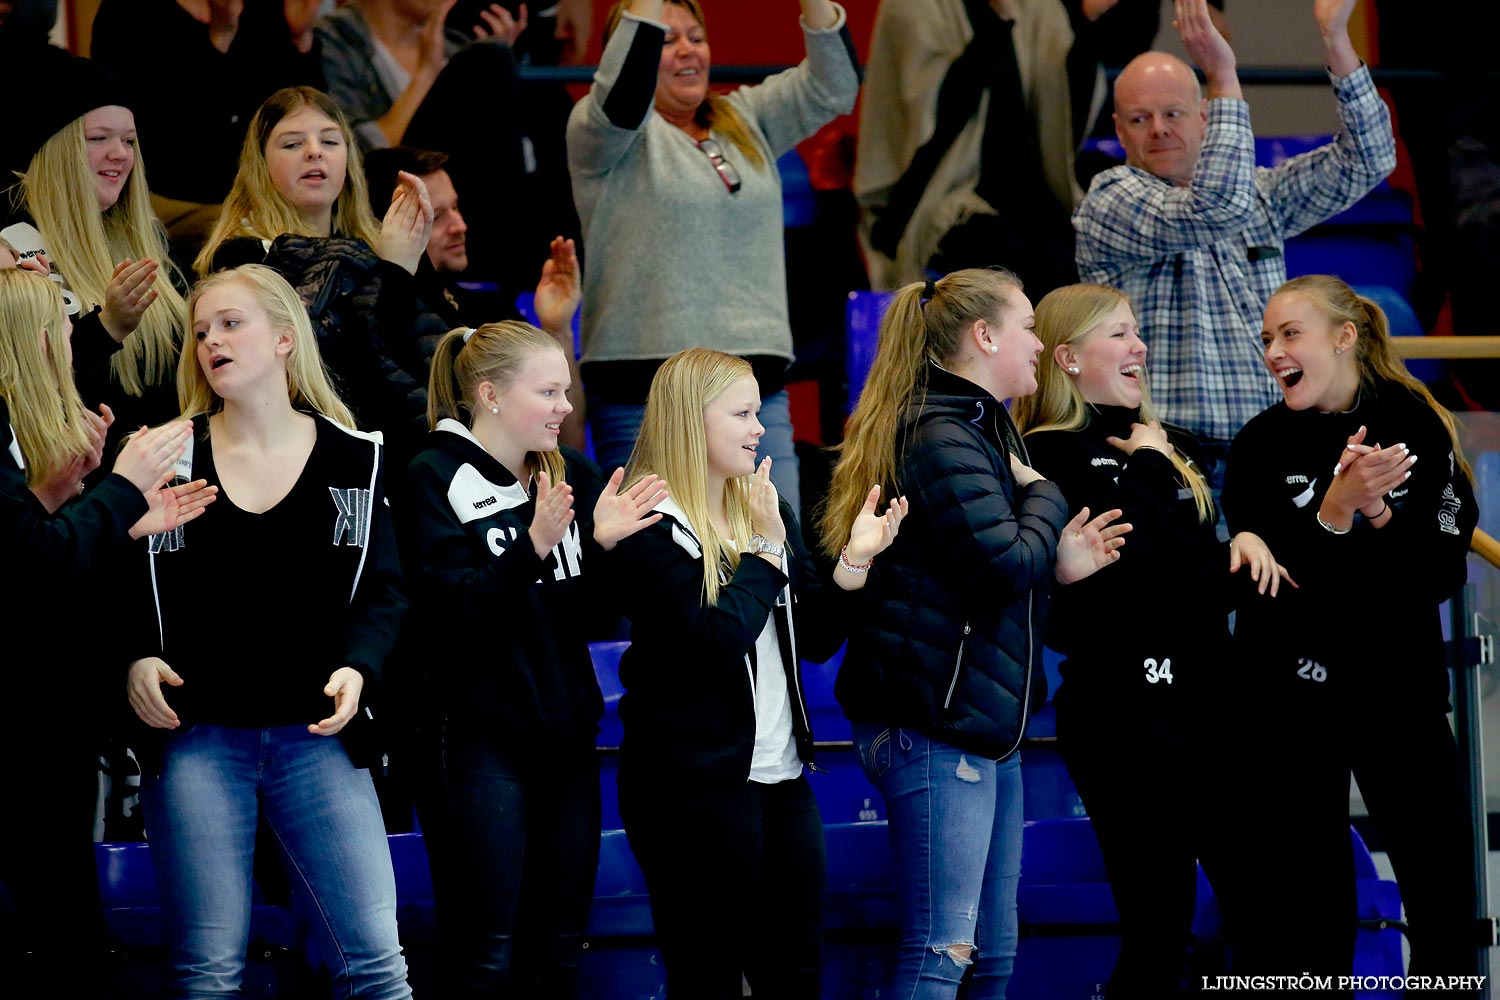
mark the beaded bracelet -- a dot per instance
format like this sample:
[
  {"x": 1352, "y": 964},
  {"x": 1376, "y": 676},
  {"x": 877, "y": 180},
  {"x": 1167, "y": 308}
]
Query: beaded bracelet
[{"x": 844, "y": 562}]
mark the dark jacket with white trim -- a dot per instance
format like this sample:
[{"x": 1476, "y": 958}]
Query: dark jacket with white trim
[
  {"x": 689, "y": 674},
  {"x": 951, "y": 621},
  {"x": 361, "y": 572},
  {"x": 1280, "y": 467},
  {"x": 499, "y": 635}
]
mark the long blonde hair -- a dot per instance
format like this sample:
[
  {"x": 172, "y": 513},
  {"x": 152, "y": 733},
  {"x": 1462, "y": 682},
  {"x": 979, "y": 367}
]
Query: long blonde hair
[
  {"x": 673, "y": 446},
  {"x": 1378, "y": 360},
  {"x": 35, "y": 380},
  {"x": 494, "y": 353},
  {"x": 308, "y": 384},
  {"x": 84, "y": 245},
  {"x": 716, "y": 113},
  {"x": 1063, "y": 316},
  {"x": 911, "y": 335},
  {"x": 256, "y": 208}
]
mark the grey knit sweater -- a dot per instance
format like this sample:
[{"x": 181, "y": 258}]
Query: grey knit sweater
[{"x": 675, "y": 260}]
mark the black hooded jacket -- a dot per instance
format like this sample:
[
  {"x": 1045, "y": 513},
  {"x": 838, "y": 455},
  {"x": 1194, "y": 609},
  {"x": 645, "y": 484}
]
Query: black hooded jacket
[
  {"x": 951, "y": 620},
  {"x": 502, "y": 630}
]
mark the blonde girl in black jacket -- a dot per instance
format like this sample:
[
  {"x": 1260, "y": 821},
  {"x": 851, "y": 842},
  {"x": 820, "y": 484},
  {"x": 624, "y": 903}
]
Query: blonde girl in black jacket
[
  {"x": 944, "y": 661},
  {"x": 53, "y": 544},
  {"x": 723, "y": 598},
  {"x": 500, "y": 525}
]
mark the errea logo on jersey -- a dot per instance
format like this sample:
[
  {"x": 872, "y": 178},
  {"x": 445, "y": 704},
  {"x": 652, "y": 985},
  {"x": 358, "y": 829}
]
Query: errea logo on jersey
[
  {"x": 1104, "y": 461},
  {"x": 1296, "y": 479},
  {"x": 488, "y": 501}
]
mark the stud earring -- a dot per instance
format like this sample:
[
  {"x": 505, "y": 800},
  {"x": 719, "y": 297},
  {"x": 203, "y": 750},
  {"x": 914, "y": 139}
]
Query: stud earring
[
  {"x": 495, "y": 410},
  {"x": 993, "y": 348},
  {"x": 1072, "y": 369},
  {"x": 1338, "y": 350}
]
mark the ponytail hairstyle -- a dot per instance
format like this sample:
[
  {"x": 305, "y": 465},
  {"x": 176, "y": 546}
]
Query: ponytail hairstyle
[
  {"x": 1377, "y": 357},
  {"x": 493, "y": 353},
  {"x": 1066, "y": 315},
  {"x": 84, "y": 245},
  {"x": 256, "y": 208},
  {"x": 308, "y": 384},
  {"x": 672, "y": 445},
  {"x": 716, "y": 113},
  {"x": 913, "y": 333},
  {"x": 36, "y": 377}
]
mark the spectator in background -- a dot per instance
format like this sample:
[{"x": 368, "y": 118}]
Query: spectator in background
[
  {"x": 226, "y": 57},
  {"x": 971, "y": 117},
  {"x": 403, "y": 78},
  {"x": 1193, "y": 232},
  {"x": 557, "y": 295},
  {"x": 82, "y": 205},
  {"x": 299, "y": 205},
  {"x": 681, "y": 189},
  {"x": 1451, "y": 128}
]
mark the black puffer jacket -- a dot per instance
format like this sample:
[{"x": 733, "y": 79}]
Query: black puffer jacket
[{"x": 951, "y": 620}]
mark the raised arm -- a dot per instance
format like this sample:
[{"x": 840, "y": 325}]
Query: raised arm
[
  {"x": 792, "y": 105},
  {"x": 1333, "y": 25},
  {"x": 608, "y": 122}
]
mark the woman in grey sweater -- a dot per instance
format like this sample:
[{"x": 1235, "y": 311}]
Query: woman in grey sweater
[{"x": 680, "y": 201}]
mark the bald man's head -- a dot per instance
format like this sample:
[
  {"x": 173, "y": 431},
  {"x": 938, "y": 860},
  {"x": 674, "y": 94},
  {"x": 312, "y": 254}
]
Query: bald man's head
[{"x": 1160, "y": 116}]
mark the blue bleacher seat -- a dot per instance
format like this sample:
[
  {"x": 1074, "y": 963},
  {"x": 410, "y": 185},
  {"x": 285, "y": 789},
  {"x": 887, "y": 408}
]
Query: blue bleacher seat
[{"x": 862, "y": 318}]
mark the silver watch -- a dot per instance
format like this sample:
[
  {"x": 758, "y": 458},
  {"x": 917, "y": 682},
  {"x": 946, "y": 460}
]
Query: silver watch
[{"x": 760, "y": 543}]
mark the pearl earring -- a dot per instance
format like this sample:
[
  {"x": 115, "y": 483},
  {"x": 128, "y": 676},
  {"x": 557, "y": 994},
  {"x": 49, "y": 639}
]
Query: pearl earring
[
  {"x": 1338, "y": 350},
  {"x": 993, "y": 348},
  {"x": 1072, "y": 369},
  {"x": 495, "y": 410}
]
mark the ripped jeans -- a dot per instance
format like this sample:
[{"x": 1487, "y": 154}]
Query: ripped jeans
[{"x": 955, "y": 823}]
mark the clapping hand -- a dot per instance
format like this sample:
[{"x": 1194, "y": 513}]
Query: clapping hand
[
  {"x": 765, "y": 505},
  {"x": 169, "y": 507},
  {"x": 499, "y": 25},
  {"x": 1363, "y": 477},
  {"x": 1088, "y": 546},
  {"x": 128, "y": 296},
  {"x": 619, "y": 515},
  {"x": 559, "y": 291},
  {"x": 873, "y": 533},
  {"x": 407, "y": 225},
  {"x": 553, "y": 514}
]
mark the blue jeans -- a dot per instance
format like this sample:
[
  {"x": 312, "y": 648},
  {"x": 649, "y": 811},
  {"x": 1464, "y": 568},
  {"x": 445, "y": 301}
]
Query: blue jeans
[
  {"x": 955, "y": 821},
  {"x": 202, "y": 808},
  {"x": 616, "y": 426}
]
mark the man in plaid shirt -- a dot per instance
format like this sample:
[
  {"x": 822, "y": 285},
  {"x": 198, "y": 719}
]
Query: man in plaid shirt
[{"x": 1193, "y": 231}]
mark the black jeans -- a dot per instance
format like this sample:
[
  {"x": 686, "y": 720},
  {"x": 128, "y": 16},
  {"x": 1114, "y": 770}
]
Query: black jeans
[
  {"x": 1146, "y": 782},
  {"x": 513, "y": 840},
  {"x": 736, "y": 878},
  {"x": 1399, "y": 747}
]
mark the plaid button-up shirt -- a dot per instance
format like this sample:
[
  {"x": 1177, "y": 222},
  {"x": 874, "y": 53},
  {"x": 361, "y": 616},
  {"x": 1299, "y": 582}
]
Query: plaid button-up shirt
[{"x": 1200, "y": 262}]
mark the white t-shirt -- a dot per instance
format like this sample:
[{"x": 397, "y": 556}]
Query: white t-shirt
[{"x": 775, "y": 756}]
